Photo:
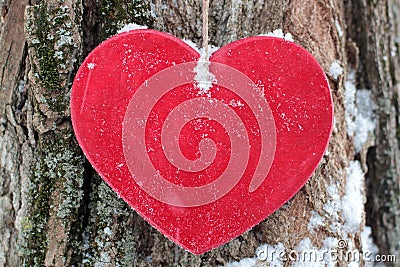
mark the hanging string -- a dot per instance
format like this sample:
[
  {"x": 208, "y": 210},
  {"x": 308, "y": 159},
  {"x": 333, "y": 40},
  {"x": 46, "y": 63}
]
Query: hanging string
[
  {"x": 205, "y": 27},
  {"x": 204, "y": 77}
]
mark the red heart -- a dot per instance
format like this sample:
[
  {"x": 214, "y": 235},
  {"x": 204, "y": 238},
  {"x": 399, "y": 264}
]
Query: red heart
[{"x": 146, "y": 127}]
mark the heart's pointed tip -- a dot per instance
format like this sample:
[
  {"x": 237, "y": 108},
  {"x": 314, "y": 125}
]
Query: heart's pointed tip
[{"x": 197, "y": 250}]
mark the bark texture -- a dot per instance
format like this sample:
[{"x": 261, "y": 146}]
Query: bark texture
[
  {"x": 56, "y": 211},
  {"x": 378, "y": 39}
]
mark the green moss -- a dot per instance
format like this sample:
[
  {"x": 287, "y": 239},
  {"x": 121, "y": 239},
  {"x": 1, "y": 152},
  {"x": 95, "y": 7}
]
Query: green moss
[
  {"x": 58, "y": 162},
  {"x": 50, "y": 32},
  {"x": 113, "y": 15}
]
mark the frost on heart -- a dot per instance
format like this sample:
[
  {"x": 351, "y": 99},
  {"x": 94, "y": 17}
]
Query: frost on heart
[{"x": 91, "y": 66}]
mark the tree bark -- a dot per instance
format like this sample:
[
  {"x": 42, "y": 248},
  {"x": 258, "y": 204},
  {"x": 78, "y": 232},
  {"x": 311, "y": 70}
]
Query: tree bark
[
  {"x": 378, "y": 40},
  {"x": 56, "y": 211}
]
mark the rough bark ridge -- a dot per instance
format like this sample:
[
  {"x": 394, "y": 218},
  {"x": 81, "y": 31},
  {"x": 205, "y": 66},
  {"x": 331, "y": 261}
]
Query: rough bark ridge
[
  {"x": 376, "y": 29},
  {"x": 56, "y": 211},
  {"x": 14, "y": 144}
]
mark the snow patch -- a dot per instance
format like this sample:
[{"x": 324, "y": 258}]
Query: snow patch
[
  {"x": 310, "y": 256},
  {"x": 201, "y": 51},
  {"x": 131, "y": 27},
  {"x": 204, "y": 77},
  {"x": 368, "y": 245},
  {"x": 349, "y": 102},
  {"x": 191, "y": 44},
  {"x": 333, "y": 206},
  {"x": 365, "y": 121},
  {"x": 353, "y": 199},
  {"x": 335, "y": 70},
  {"x": 279, "y": 34},
  {"x": 305, "y": 254},
  {"x": 360, "y": 116},
  {"x": 303, "y": 246},
  {"x": 350, "y": 205},
  {"x": 315, "y": 222},
  {"x": 329, "y": 244},
  {"x": 353, "y": 264}
]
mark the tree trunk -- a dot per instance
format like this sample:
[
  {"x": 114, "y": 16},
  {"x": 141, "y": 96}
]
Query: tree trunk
[{"x": 56, "y": 211}]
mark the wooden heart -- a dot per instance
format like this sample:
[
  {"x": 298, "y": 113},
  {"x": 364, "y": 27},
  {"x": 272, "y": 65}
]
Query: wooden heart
[{"x": 202, "y": 164}]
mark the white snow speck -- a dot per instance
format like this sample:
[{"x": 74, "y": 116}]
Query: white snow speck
[
  {"x": 353, "y": 199},
  {"x": 108, "y": 231},
  {"x": 65, "y": 40},
  {"x": 131, "y": 27},
  {"x": 91, "y": 66},
  {"x": 59, "y": 54},
  {"x": 335, "y": 70},
  {"x": 236, "y": 103},
  {"x": 21, "y": 86},
  {"x": 279, "y": 34},
  {"x": 338, "y": 28}
]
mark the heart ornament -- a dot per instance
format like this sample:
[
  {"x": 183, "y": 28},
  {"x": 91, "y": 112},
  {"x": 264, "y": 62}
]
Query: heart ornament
[{"x": 202, "y": 150}]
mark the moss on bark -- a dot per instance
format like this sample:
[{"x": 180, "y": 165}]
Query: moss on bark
[{"x": 55, "y": 187}]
